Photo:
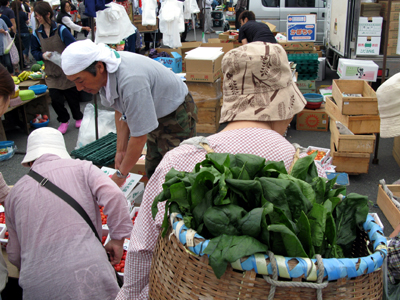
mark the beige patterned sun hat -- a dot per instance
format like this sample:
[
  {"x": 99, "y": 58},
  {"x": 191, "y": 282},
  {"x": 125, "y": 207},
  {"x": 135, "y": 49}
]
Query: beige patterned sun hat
[{"x": 258, "y": 84}]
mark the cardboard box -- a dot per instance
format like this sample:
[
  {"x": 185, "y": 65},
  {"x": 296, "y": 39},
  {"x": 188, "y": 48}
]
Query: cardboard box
[
  {"x": 312, "y": 120},
  {"x": 298, "y": 46},
  {"x": 392, "y": 43},
  {"x": 391, "y": 212},
  {"x": 301, "y": 27},
  {"x": 271, "y": 26},
  {"x": 226, "y": 47},
  {"x": 305, "y": 84},
  {"x": 395, "y": 7},
  {"x": 368, "y": 45},
  {"x": 135, "y": 197},
  {"x": 228, "y": 36},
  {"x": 394, "y": 26},
  {"x": 308, "y": 91},
  {"x": 187, "y": 46},
  {"x": 174, "y": 62},
  {"x": 396, "y": 149},
  {"x": 351, "y": 163},
  {"x": 205, "y": 93},
  {"x": 301, "y": 51},
  {"x": 370, "y": 26},
  {"x": 370, "y": 9},
  {"x": 139, "y": 168},
  {"x": 324, "y": 159},
  {"x": 357, "y": 124},
  {"x": 203, "y": 70},
  {"x": 352, "y": 105},
  {"x": 394, "y": 16},
  {"x": 392, "y": 51},
  {"x": 351, "y": 143},
  {"x": 357, "y": 69}
]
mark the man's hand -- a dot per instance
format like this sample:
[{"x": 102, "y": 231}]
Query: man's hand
[
  {"x": 2, "y": 31},
  {"x": 117, "y": 180},
  {"x": 115, "y": 249}
]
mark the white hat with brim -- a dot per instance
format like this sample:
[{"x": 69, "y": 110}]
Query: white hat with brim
[
  {"x": 388, "y": 95},
  {"x": 42, "y": 141}
]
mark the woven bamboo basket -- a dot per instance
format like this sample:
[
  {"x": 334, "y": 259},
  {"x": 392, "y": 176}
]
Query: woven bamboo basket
[{"x": 176, "y": 273}]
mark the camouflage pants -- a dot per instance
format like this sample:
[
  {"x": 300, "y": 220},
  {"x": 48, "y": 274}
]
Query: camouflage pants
[{"x": 171, "y": 131}]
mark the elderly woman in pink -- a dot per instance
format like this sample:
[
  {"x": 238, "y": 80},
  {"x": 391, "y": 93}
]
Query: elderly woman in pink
[{"x": 53, "y": 246}]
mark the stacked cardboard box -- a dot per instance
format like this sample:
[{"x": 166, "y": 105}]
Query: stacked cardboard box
[
  {"x": 355, "y": 105},
  {"x": 207, "y": 97},
  {"x": 370, "y": 9},
  {"x": 393, "y": 23},
  {"x": 369, "y": 35}
]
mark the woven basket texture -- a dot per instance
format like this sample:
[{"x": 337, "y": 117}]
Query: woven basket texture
[{"x": 176, "y": 274}]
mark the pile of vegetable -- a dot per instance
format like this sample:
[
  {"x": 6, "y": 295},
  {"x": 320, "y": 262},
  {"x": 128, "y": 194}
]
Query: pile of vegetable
[{"x": 245, "y": 205}]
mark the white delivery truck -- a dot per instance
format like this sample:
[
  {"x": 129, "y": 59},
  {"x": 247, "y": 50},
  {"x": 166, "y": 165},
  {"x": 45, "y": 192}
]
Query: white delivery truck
[
  {"x": 344, "y": 37},
  {"x": 276, "y": 12}
]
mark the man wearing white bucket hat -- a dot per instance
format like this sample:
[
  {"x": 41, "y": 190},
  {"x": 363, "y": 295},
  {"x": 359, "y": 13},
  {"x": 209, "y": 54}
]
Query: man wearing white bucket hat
[
  {"x": 53, "y": 246},
  {"x": 152, "y": 104}
]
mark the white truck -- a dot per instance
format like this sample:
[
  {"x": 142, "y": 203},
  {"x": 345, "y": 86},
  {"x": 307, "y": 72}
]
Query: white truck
[
  {"x": 276, "y": 12},
  {"x": 341, "y": 34}
]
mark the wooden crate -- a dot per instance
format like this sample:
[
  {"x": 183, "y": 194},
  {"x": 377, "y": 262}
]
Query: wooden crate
[
  {"x": 386, "y": 205},
  {"x": 357, "y": 124},
  {"x": 396, "y": 149},
  {"x": 365, "y": 105},
  {"x": 351, "y": 163},
  {"x": 208, "y": 114},
  {"x": 352, "y": 143}
]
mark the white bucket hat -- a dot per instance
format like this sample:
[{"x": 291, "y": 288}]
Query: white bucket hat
[
  {"x": 388, "y": 95},
  {"x": 44, "y": 140}
]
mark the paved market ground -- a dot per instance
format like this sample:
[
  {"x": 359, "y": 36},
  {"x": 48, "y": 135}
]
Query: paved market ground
[{"x": 366, "y": 184}]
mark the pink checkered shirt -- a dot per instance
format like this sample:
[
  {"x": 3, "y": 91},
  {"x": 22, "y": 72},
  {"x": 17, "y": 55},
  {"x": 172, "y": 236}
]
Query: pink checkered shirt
[{"x": 265, "y": 143}]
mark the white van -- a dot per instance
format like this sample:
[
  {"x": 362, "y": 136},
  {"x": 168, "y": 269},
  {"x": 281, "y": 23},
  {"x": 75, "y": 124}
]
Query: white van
[{"x": 276, "y": 11}]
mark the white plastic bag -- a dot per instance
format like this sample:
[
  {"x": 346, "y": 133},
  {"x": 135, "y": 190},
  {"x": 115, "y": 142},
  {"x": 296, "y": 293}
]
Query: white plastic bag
[
  {"x": 53, "y": 56},
  {"x": 87, "y": 131}
]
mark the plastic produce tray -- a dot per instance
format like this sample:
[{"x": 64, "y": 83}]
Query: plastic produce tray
[{"x": 100, "y": 152}]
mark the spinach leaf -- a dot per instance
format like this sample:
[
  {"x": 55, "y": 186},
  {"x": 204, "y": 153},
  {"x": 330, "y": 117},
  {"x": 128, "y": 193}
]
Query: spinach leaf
[
  {"x": 223, "y": 219},
  {"x": 277, "y": 216},
  {"x": 250, "y": 224},
  {"x": 200, "y": 209},
  {"x": 304, "y": 235},
  {"x": 203, "y": 183},
  {"x": 220, "y": 198},
  {"x": 350, "y": 213},
  {"x": 273, "y": 169},
  {"x": 317, "y": 219},
  {"x": 292, "y": 244},
  {"x": 305, "y": 187},
  {"x": 180, "y": 196},
  {"x": 251, "y": 163},
  {"x": 319, "y": 186},
  {"x": 305, "y": 168},
  {"x": 249, "y": 191},
  {"x": 264, "y": 234},
  {"x": 227, "y": 249}
]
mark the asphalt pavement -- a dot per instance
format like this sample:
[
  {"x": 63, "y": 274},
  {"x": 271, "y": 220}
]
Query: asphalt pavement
[{"x": 366, "y": 184}]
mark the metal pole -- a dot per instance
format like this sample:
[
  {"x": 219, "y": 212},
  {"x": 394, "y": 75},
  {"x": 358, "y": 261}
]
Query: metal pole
[
  {"x": 375, "y": 160},
  {"x": 17, "y": 24},
  {"x": 96, "y": 112}
]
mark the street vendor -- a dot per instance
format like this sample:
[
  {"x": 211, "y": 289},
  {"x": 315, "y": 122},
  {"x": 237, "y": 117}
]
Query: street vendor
[
  {"x": 253, "y": 31},
  {"x": 152, "y": 104},
  {"x": 259, "y": 101}
]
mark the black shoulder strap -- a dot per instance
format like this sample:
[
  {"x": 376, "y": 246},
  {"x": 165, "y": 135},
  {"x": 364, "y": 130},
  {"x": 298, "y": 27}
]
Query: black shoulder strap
[{"x": 63, "y": 195}]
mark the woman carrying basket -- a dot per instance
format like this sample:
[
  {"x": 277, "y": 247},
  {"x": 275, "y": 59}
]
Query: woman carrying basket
[{"x": 260, "y": 100}]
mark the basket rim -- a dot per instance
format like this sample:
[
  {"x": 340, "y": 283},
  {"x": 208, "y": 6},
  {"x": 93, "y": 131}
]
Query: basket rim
[{"x": 334, "y": 268}]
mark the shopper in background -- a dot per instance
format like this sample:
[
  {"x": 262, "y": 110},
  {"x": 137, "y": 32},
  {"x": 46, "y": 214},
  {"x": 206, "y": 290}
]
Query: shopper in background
[
  {"x": 152, "y": 104},
  {"x": 253, "y": 31},
  {"x": 240, "y": 7},
  {"x": 7, "y": 89},
  {"x": 22, "y": 29},
  {"x": 52, "y": 37},
  {"x": 66, "y": 19},
  {"x": 5, "y": 59},
  {"x": 207, "y": 17},
  {"x": 5, "y": 10},
  {"x": 84, "y": 18},
  {"x": 55, "y": 249},
  {"x": 258, "y": 105}
]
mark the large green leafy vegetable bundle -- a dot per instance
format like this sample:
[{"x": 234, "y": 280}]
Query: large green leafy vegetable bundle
[{"x": 246, "y": 205}]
